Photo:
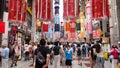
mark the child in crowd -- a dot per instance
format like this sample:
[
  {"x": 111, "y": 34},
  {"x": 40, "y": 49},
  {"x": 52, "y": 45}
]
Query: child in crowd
[{"x": 69, "y": 55}]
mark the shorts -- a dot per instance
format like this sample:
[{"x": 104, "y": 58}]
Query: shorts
[{"x": 68, "y": 62}]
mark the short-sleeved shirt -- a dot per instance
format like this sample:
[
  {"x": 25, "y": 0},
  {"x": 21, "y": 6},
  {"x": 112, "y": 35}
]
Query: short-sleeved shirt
[
  {"x": 5, "y": 53},
  {"x": 45, "y": 52},
  {"x": 56, "y": 50},
  {"x": 68, "y": 54}
]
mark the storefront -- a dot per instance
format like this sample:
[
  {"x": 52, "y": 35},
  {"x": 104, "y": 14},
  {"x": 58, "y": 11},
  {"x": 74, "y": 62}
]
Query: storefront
[{"x": 1, "y": 16}]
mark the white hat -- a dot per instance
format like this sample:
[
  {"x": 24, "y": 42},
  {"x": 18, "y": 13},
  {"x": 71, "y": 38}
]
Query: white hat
[
  {"x": 4, "y": 43},
  {"x": 119, "y": 42}
]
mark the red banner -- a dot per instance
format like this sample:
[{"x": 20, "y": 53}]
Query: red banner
[
  {"x": 97, "y": 8},
  {"x": 100, "y": 8},
  {"x": 65, "y": 8},
  {"x": 49, "y": 5},
  {"x": 71, "y": 8},
  {"x": 2, "y": 27},
  {"x": 37, "y": 8},
  {"x": 19, "y": 8},
  {"x": 24, "y": 12},
  {"x": 44, "y": 9},
  {"x": 12, "y": 10}
]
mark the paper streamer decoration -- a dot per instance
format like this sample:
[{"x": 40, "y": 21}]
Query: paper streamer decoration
[
  {"x": 57, "y": 27},
  {"x": 17, "y": 10},
  {"x": 43, "y": 9},
  {"x": 12, "y": 10},
  {"x": 67, "y": 26},
  {"x": 72, "y": 26},
  {"x": 62, "y": 31},
  {"x": 45, "y": 27},
  {"x": 97, "y": 8},
  {"x": 78, "y": 28},
  {"x": 70, "y": 9},
  {"x": 57, "y": 19}
]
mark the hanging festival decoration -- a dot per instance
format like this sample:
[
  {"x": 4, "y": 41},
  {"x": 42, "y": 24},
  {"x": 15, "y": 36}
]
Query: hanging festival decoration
[
  {"x": 56, "y": 19},
  {"x": 49, "y": 33},
  {"x": 62, "y": 31},
  {"x": 24, "y": 12},
  {"x": 45, "y": 27},
  {"x": 106, "y": 8},
  {"x": 43, "y": 9},
  {"x": 57, "y": 27},
  {"x": 67, "y": 25},
  {"x": 89, "y": 17},
  {"x": 78, "y": 25},
  {"x": 17, "y": 10},
  {"x": 12, "y": 10},
  {"x": 72, "y": 26},
  {"x": 100, "y": 8},
  {"x": 70, "y": 9}
]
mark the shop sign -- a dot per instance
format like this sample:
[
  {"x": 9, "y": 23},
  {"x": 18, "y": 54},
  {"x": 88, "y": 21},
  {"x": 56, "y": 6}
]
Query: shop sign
[
  {"x": 105, "y": 40},
  {"x": 2, "y": 27}
]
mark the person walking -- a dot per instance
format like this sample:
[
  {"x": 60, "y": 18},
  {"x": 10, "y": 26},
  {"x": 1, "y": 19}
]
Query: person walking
[
  {"x": 79, "y": 54},
  {"x": 83, "y": 51},
  {"x": 114, "y": 52},
  {"x": 119, "y": 49},
  {"x": 5, "y": 55},
  {"x": 93, "y": 55},
  {"x": 69, "y": 56},
  {"x": 42, "y": 55},
  {"x": 26, "y": 52},
  {"x": 0, "y": 55},
  {"x": 99, "y": 52},
  {"x": 15, "y": 53},
  {"x": 57, "y": 50}
]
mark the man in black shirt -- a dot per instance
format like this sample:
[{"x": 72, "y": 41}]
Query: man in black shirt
[
  {"x": 45, "y": 52},
  {"x": 93, "y": 56}
]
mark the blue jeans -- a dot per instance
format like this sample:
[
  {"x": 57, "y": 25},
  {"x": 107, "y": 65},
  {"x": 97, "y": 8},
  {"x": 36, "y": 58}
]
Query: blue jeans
[{"x": 100, "y": 62}]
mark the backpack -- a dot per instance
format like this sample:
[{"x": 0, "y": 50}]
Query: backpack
[
  {"x": 84, "y": 49},
  {"x": 40, "y": 57},
  {"x": 89, "y": 48},
  {"x": 79, "y": 52},
  {"x": 115, "y": 54}
]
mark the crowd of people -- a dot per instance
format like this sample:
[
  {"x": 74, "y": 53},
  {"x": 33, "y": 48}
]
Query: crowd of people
[{"x": 60, "y": 54}]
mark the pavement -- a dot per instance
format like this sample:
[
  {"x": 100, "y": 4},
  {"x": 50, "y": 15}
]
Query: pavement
[{"x": 85, "y": 64}]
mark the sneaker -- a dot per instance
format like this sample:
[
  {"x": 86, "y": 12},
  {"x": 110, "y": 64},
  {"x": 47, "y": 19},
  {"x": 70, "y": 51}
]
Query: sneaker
[
  {"x": 11, "y": 65},
  {"x": 15, "y": 64}
]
